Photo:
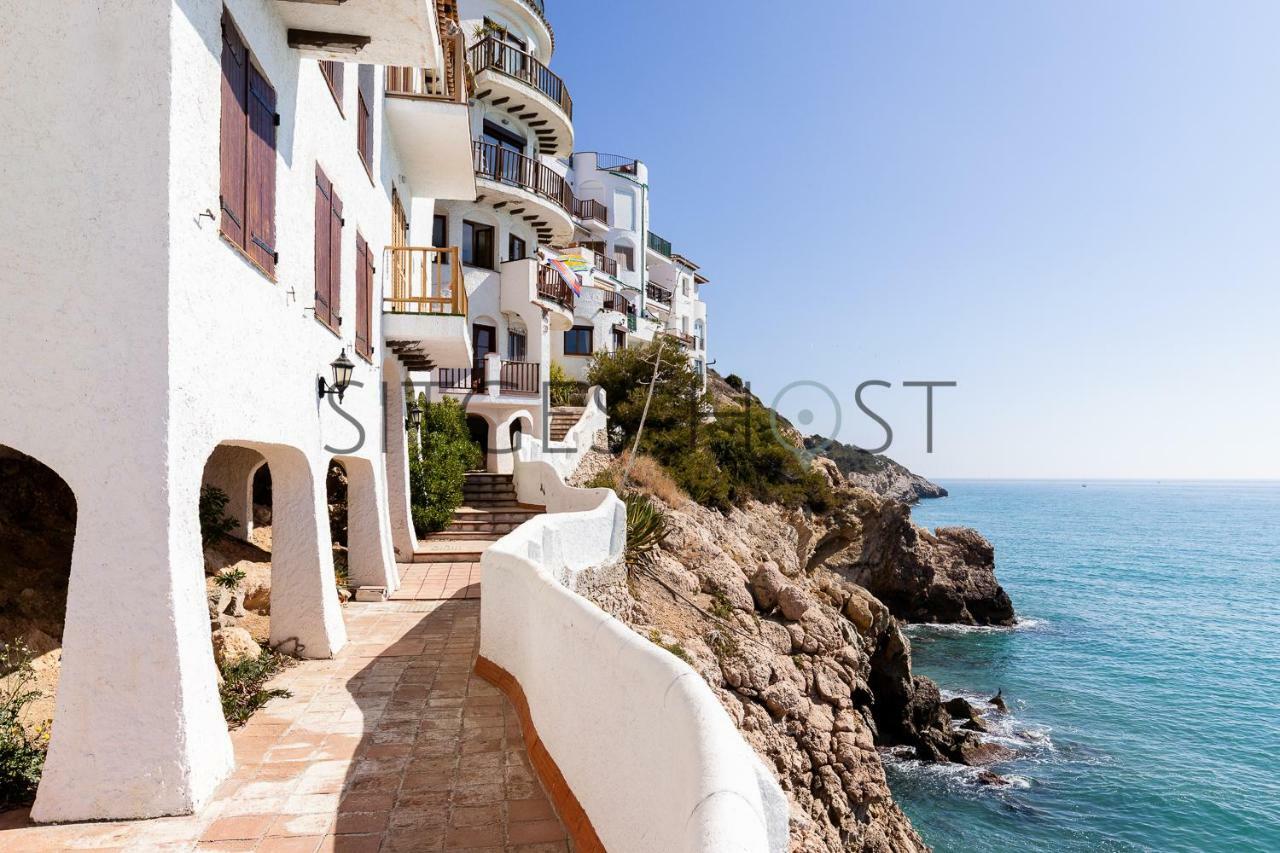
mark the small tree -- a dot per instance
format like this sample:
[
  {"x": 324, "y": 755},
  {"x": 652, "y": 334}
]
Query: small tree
[{"x": 439, "y": 457}]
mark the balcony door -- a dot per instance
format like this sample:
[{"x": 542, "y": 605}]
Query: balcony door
[
  {"x": 508, "y": 152},
  {"x": 484, "y": 340}
]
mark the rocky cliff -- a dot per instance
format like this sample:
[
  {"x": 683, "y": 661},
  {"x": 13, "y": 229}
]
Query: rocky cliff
[
  {"x": 874, "y": 472},
  {"x": 811, "y": 665}
]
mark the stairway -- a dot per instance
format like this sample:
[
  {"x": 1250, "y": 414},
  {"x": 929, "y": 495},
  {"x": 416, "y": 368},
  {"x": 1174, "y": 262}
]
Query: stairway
[
  {"x": 489, "y": 511},
  {"x": 563, "y": 419}
]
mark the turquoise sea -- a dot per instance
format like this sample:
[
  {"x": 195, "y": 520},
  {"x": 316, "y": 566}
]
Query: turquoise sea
[{"x": 1144, "y": 686}]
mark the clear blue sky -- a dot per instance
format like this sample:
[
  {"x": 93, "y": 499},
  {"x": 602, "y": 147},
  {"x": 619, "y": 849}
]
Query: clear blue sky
[{"x": 1072, "y": 209}]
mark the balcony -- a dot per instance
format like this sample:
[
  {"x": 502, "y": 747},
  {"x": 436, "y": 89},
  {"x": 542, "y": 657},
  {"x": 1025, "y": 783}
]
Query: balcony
[
  {"x": 424, "y": 319},
  {"x": 552, "y": 288},
  {"x": 519, "y": 83},
  {"x": 512, "y": 378},
  {"x": 373, "y": 32},
  {"x": 685, "y": 341},
  {"x": 659, "y": 245},
  {"x": 429, "y": 118},
  {"x": 617, "y": 163},
  {"x": 588, "y": 209},
  {"x": 524, "y": 186},
  {"x": 658, "y": 294}
]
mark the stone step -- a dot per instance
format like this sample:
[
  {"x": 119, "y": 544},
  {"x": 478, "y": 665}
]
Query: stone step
[
  {"x": 450, "y": 535},
  {"x": 436, "y": 550}
]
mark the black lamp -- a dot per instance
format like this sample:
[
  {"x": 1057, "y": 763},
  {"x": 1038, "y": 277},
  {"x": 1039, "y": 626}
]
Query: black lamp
[
  {"x": 342, "y": 368},
  {"x": 415, "y": 417}
]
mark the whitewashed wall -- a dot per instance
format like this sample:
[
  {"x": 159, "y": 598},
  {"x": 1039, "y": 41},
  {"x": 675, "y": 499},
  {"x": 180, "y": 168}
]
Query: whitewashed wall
[{"x": 682, "y": 778}]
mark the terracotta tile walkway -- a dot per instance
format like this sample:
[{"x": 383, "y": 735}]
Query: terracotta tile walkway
[
  {"x": 394, "y": 745},
  {"x": 432, "y": 581}
]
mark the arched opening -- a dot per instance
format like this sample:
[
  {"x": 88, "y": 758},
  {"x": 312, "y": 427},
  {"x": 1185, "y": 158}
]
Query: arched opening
[
  {"x": 278, "y": 589},
  {"x": 516, "y": 434},
  {"x": 37, "y": 535},
  {"x": 336, "y": 497},
  {"x": 237, "y": 567},
  {"x": 479, "y": 429}
]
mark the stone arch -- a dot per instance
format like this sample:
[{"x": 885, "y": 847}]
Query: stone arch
[
  {"x": 369, "y": 554},
  {"x": 238, "y": 472},
  {"x": 305, "y": 617}
]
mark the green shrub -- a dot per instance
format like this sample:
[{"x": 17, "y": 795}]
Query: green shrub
[
  {"x": 242, "y": 692},
  {"x": 646, "y": 527},
  {"x": 734, "y": 381},
  {"x": 603, "y": 480},
  {"x": 21, "y": 753},
  {"x": 214, "y": 523},
  {"x": 439, "y": 458},
  {"x": 673, "y": 647},
  {"x": 229, "y": 579}
]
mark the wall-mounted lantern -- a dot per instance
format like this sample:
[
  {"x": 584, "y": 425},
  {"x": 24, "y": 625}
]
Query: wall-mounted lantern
[
  {"x": 342, "y": 368},
  {"x": 414, "y": 421}
]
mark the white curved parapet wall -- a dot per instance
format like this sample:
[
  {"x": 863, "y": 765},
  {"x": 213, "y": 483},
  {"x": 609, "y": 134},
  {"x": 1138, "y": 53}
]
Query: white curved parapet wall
[
  {"x": 641, "y": 743},
  {"x": 565, "y": 455}
]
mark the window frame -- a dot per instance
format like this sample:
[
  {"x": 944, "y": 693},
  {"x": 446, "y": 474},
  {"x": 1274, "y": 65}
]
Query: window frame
[
  {"x": 573, "y": 334},
  {"x": 469, "y": 231},
  {"x": 512, "y": 240}
]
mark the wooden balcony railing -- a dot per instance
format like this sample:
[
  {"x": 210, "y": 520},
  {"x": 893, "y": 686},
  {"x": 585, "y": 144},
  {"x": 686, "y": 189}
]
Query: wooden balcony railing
[
  {"x": 589, "y": 208},
  {"x": 467, "y": 380},
  {"x": 428, "y": 84},
  {"x": 425, "y": 280},
  {"x": 614, "y": 302},
  {"x": 492, "y": 54},
  {"x": 658, "y": 294},
  {"x": 520, "y": 377},
  {"x": 609, "y": 265},
  {"x": 495, "y": 163},
  {"x": 552, "y": 287},
  {"x": 659, "y": 245}
]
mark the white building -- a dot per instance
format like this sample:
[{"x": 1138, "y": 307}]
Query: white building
[
  {"x": 205, "y": 205},
  {"x": 198, "y": 217}
]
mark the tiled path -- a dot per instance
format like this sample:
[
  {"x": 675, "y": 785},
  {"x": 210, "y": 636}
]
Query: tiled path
[
  {"x": 394, "y": 745},
  {"x": 431, "y": 581}
]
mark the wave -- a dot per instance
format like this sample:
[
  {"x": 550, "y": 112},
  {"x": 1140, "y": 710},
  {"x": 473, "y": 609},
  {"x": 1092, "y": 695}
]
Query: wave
[{"x": 1024, "y": 624}]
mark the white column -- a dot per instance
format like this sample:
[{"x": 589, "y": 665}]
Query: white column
[{"x": 305, "y": 614}]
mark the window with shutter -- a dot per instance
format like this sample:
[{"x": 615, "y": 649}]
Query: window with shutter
[
  {"x": 247, "y": 155},
  {"x": 235, "y": 77},
  {"x": 333, "y": 73},
  {"x": 364, "y": 297},
  {"x": 328, "y": 252},
  {"x": 364, "y": 117}
]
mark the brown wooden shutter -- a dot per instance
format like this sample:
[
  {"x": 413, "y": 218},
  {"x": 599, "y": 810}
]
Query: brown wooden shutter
[
  {"x": 335, "y": 259},
  {"x": 324, "y": 212},
  {"x": 235, "y": 66},
  {"x": 260, "y": 213},
  {"x": 334, "y": 72},
  {"x": 364, "y": 279},
  {"x": 364, "y": 122}
]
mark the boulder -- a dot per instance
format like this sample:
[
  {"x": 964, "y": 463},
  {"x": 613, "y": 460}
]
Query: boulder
[
  {"x": 997, "y": 702},
  {"x": 976, "y": 753},
  {"x": 766, "y": 584},
  {"x": 794, "y": 602},
  {"x": 986, "y": 777},
  {"x": 232, "y": 645}
]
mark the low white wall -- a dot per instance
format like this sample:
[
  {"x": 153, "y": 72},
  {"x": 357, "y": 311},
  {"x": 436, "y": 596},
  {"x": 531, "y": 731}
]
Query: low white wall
[
  {"x": 641, "y": 740},
  {"x": 564, "y": 456}
]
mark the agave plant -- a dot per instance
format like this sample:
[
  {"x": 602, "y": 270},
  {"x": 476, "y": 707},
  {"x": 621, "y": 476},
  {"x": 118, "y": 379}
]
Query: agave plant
[{"x": 646, "y": 527}]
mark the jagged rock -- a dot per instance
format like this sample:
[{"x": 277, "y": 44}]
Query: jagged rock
[
  {"x": 997, "y": 701},
  {"x": 232, "y": 645},
  {"x": 944, "y": 576},
  {"x": 781, "y": 699},
  {"x": 794, "y": 602},
  {"x": 766, "y": 583},
  {"x": 871, "y": 471},
  {"x": 975, "y": 752},
  {"x": 986, "y": 777}
]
